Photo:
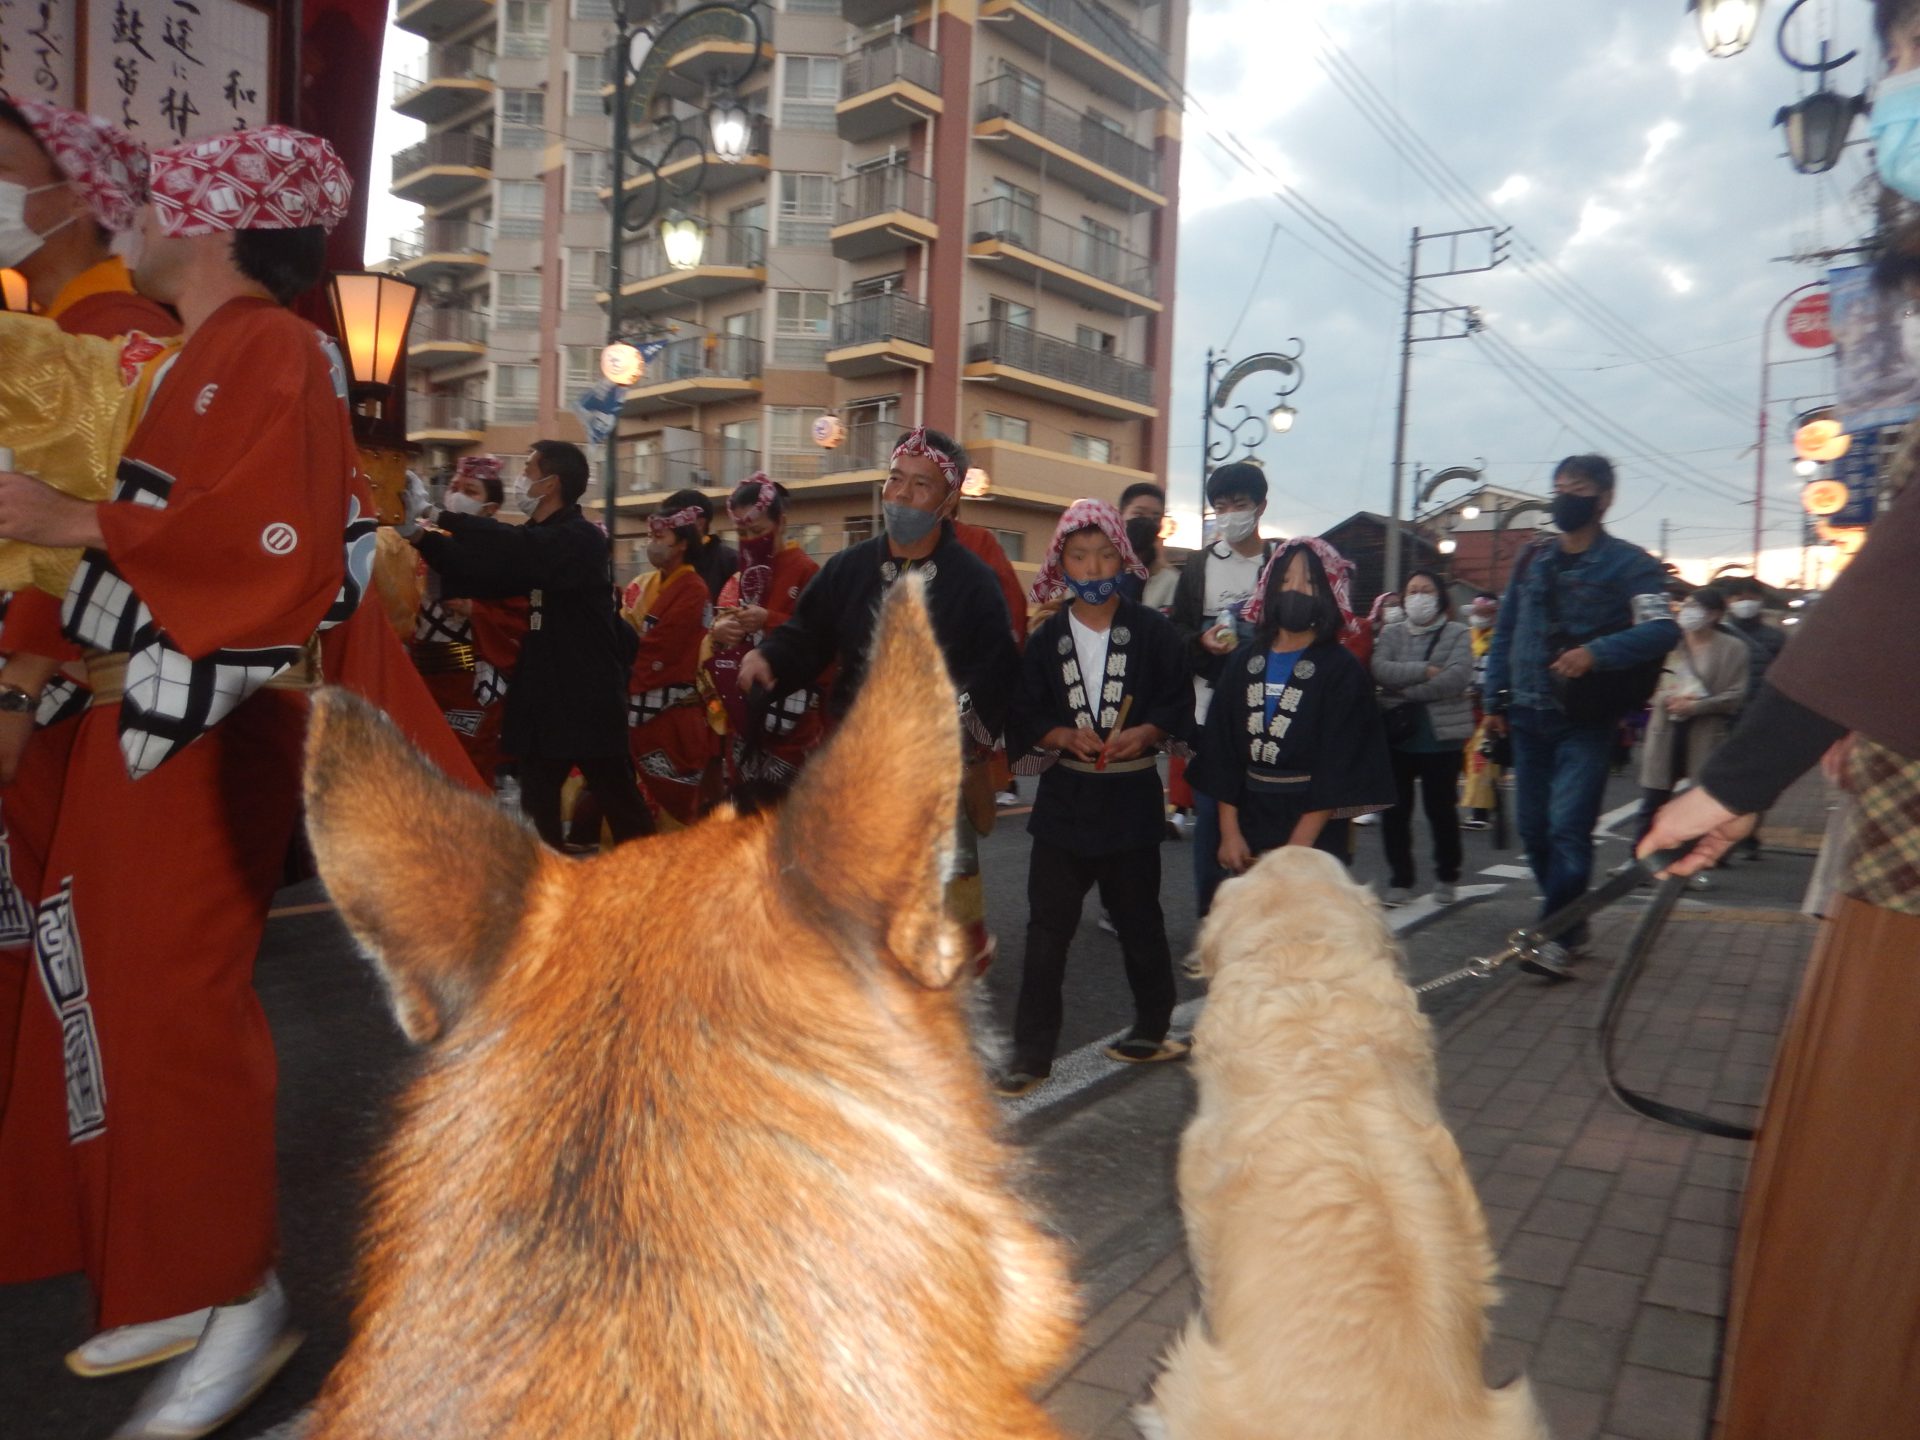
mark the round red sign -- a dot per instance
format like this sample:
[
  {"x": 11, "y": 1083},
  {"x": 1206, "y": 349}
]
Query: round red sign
[{"x": 1809, "y": 322}]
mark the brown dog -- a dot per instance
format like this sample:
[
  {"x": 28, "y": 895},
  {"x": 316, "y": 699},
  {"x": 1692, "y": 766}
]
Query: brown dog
[
  {"x": 1341, "y": 1254},
  {"x": 698, "y": 1149}
]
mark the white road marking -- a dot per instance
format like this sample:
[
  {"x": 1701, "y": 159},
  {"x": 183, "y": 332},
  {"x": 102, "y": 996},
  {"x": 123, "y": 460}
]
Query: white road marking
[
  {"x": 1603, "y": 827},
  {"x": 1074, "y": 1072},
  {"x": 1508, "y": 872}
]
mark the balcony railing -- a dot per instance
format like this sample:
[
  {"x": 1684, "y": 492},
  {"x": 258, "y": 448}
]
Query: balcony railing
[
  {"x": 1028, "y": 106},
  {"x": 654, "y": 147},
  {"x": 452, "y": 326},
  {"x": 889, "y": 188},
  {"x": 444, "y": 62},
  {"x": 705, "y": 357},
  {"x": 710, "y": 466},
  {"x": 735, "y": 246},
  {"x": 1055, "y": 240},
  {"x": 445, "y": 412},
  {"x": 444, "y": 237},
  {"x": 895, "y": 59},
  {"x": 1105, "y": 31},
  {"x": 474, "y": 152},
  {"x": 868, "y": 446},
  {"x": 1048, "y": 356},
  {"x": 874, "y": 318}
]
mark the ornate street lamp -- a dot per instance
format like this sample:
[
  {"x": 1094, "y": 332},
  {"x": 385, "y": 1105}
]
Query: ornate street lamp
[
  {"x": 1223, "y": 375},
  {"x": 1726, "y": 26},
  {"x": 729, "y": 129},
  {"x": 371, "y": 314},
  {"x": 1817, "y": 125},
  {"x": 685, "y": 241},
  {"x": 1280, "y": 419}
]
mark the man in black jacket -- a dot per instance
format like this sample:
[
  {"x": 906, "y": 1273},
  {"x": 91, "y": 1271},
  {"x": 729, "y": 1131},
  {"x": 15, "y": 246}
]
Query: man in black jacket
[{"x": 567, "y": 705}]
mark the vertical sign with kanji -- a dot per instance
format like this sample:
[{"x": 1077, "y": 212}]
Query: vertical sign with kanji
[
  {"x": 172, "y": 70},
  {"x": 38, "y": 39}
]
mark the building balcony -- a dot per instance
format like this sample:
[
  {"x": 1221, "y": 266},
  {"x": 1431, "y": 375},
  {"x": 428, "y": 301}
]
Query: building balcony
[
  {"x": 713, "y": 49},
  {"x": 445, "y": 419},
  {"x": 1089, "y": 42},
  {"x": 1018, "y": 472},
  {"x": 735, "y": 259},
  {"x": 875, "y": 12},
  {"x": 699, "y": 370},
  {"x": 648, "y": 477},
  {"x": 679, "y": 159},
  {"x": 882, "y": 210},
  {"x": 867, "y": 452},
  {"x": 1020, "y": 242},
  {"x": 440, "y": 337},
  {"x": 1074, "y": 148},
  {"x": 887, "y": 86},
  {"x": 442, "y": 168},
  {"x": 458, "y": 249},
  {"x": 877, "y": 333},
  {"x": 434, "y": 18},
  {"x": 1045, "y": 366},
  {"x": 449, "y": 79}
]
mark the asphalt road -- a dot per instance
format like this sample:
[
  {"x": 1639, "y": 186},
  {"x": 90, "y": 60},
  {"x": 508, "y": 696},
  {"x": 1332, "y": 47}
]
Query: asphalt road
[{"x": 1103, "y": 1140}]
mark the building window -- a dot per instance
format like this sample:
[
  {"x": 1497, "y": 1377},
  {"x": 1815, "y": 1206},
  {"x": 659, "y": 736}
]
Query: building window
[
  {"x": 791, "y": 453},
  {"x": 1013, "y": 542},
  {"x": 1009, "y": 312},
  {"x": 590, "y": 77},
  {"x": 806, "y": 209},
  {"x": 589, "y": 172},
  {"x": 1092, "y": 447},
  {"x": 586, "y": 277},
  {"x": 516, "y": 299},
  {"x": 582, "y": 369},
  {"x": 1097, "y": 249},
  {"x": 592, "y": 9},
  {"x": 743, "y": 322},
  {"x": 523, "y": 119},
  {"x": 1004, "y": 427},
  {"x": 810, "y": 84},
  {"x": 878, "y": 285},
  {"x": 1093, "y": 339},
  {"x": 526, "y": 28},
  {"x": 739, "y": 453},
  {"x": 516, "y": 394},
  {"x": 858, "y": 528},
  {"x": 522, "y": 207},
  {"x": 811, "y": 7},
  {"x": 1017, "y": 215},
  {"x": 802, "y": 328}
]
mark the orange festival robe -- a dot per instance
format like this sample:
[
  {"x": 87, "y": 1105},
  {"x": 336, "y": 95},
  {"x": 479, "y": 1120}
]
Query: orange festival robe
[
  {"x": 234, "y": 505},
  {"x": 802, "y": 725},
  {"x": 673, "y": 746}
]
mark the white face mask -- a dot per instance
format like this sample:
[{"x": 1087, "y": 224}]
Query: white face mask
[
  {"x": 1422, "y": 608},
  {"x": 1393, "y": 614},
  {"x": 1747, "y": 609},
  {"x": 17, "y": 241},
  {"x": 461, "y": 503},
  {"x": 1692, "y": 617},
  {"x": 1238, "y": 525},
  {"x": 526, "y": 502}
]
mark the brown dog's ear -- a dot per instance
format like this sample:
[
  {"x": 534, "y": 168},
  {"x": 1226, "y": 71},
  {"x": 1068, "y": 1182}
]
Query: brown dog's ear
[
  {"x": 866, "y": 838},
  {"x": 429, "y": 877}
]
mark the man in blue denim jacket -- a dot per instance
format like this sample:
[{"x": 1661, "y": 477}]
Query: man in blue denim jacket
[{"x": 1611, "y": 596}]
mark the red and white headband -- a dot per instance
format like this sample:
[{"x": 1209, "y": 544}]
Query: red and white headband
[
  {"x": 107, "y": 166},
  {"x": 273, "y": 178},
  {"x": 1339, "y": 575},
  {"x": 661, "y": 526},
  {"x": 1086, "y": 514},
  {"x": 915, "y": 442},
  {"x": 766, "y": 493},
  {"x": 478, "y": 467}
]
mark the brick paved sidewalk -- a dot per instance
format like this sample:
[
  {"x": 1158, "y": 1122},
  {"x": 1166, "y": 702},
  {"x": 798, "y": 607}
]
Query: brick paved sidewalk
[{"x": 1615, "y": 1233}]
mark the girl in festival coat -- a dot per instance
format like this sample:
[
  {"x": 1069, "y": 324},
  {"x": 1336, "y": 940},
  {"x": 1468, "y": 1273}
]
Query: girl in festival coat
[
  {"x": 672, "y": 744},
  {"x": 1293, "y": 745},
  {"x": 1105, "y": 684},
  {"x": 762, "y": 750}
]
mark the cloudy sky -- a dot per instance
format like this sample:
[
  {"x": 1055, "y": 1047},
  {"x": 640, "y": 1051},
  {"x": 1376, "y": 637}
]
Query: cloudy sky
[{"x": 1649, "y": 198}]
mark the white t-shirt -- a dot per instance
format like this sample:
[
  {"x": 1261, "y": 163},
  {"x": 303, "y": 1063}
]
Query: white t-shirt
[
  {"x": 1090, "y": 648},
  {"x": 1229, "y": 579}
]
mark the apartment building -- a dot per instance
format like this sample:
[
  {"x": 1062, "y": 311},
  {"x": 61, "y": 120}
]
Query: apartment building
[{"x": 953, "y": 212}]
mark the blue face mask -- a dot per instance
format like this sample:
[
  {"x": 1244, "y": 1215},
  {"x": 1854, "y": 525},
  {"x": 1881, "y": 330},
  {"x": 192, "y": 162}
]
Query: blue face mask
[
  {"x": 1094, "y": 592},
  {"x": 906, "y": 525},
  {"x": 1895, "y": 125}
]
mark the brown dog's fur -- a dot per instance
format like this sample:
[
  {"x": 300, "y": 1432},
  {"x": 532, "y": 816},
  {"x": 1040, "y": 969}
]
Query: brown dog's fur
[
  {"x": 698, "y": 1149},
  {"x": 1341, "y": 1254}
]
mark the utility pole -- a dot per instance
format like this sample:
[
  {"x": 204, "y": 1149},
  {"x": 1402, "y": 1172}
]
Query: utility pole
[
  {"x": 1663, "y": 541},
  {"x": 1444, "y": 318}
]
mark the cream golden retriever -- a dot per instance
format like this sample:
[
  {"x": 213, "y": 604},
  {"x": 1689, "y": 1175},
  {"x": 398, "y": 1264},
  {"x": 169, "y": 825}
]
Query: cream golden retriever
[{"x": 1342, "y": 1258}]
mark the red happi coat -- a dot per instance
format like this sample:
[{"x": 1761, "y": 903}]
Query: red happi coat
[
  {"x": 148, "y": 1042},
  {"x": 673, "y": 747},
  {"x": 790, "y": 730}
]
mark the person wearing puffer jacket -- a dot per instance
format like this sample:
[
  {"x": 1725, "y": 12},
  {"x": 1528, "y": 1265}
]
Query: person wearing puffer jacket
[{"x": 1424, "y": 667}]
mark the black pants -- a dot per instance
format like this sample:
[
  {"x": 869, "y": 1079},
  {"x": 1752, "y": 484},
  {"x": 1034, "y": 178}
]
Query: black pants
[
  {"x": 1438, "y": 773},
  {"x": 1057, "y": 884},
  {"x": 609, "y": 780}
]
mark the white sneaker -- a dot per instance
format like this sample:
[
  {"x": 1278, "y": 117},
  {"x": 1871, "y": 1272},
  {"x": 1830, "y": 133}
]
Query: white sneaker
[
  {"x": 1180, "y": 821},
  {"x": 132, "y": 1347},
  {"x": 1006, "y": 799},
  {"x": 1372, "y": 817},
  {"x": 242, "y": 1347},
  {"x": 1397, "y": 895},
  {"x": 1443, "y": 894}
]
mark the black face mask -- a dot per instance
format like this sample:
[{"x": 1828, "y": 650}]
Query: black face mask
[
  {"x": 1143, "y": 533},
  {"x": 1295, "y": 611},
  {"x": 1575, "y": 512}
]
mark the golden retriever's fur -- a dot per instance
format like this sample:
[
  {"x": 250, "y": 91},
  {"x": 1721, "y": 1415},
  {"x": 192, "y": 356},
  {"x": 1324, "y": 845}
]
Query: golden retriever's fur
[{"x": 1341, "y": 1254}]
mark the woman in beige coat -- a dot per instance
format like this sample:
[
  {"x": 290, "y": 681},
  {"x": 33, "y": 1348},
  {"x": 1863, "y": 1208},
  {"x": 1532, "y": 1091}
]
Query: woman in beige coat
[{"x": 1701, "y": 692}]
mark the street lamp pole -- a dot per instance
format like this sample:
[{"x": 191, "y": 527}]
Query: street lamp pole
[
  {"x": 1222, "y": 378},
  {"x": 616, "y": 276}
]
